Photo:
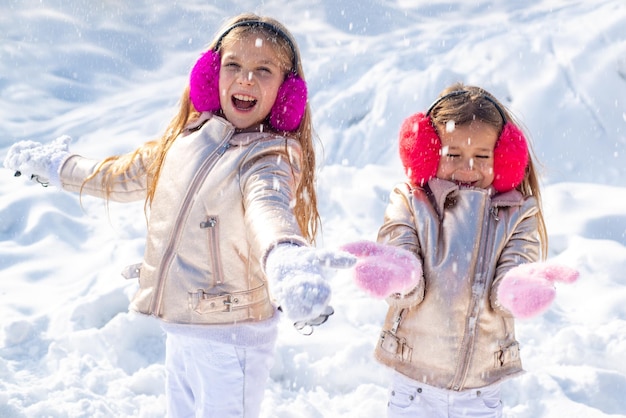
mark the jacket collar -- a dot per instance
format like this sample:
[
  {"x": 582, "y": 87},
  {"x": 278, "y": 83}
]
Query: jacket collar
[
  {"x": 198, "y": 123},
  {"x": 442, "y": 189},
  {"x": 245, "y": 138},
  {"x": 238, "y": 139}
]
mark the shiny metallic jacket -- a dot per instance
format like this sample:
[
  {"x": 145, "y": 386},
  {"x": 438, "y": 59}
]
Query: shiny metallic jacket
[
  {"x": 451, "y": 332},
  {"x": 221, "y": 203}
]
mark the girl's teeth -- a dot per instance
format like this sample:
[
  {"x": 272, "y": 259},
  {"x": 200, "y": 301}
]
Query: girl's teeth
[{"x": 244, "y": 98}]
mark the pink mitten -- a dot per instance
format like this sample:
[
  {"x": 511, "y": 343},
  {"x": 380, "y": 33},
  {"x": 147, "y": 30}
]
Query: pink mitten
[
  {"x": 384, "y": 270},
  {"x": 528, "y": 290}
]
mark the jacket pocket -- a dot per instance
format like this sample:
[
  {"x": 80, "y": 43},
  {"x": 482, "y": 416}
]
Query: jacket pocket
[
  {"x": 506, "y": 355},
  {"x": 212, "y": 225}
]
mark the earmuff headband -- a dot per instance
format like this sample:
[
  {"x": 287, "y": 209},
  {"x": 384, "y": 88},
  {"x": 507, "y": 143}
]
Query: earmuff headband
[
  {"x": 461, "y": 92},
  {"x": 267, "y": 26}
]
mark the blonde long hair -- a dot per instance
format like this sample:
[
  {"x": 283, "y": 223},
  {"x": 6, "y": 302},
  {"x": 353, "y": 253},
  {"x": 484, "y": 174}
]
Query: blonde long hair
[
  {"x": 152, "y": 153},
  {"x": 478, "y": 104}
]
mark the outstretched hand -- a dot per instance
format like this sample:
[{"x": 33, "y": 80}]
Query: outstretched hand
[
  {"x": 297, "y": 277},
  {"x": 528, "y": 290},
  {"x": 40, "y": 162},
  {"x": 384, "y": 270}
]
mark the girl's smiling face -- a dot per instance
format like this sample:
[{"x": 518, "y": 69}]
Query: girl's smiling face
[
  {"x": 467, "y": 154},
  {"x": 250, "y": 74}
]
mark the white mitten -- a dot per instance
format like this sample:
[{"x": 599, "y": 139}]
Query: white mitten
[
  {"x": 297, "y": 278},
  {"x": 41, "y": 162}
]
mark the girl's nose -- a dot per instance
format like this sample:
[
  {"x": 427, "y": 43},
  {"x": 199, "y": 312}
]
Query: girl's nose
[
  {"x": 466, "y": 164},
  {"x": 245, "y": 77},
  {"x": 465, "y": 170}
]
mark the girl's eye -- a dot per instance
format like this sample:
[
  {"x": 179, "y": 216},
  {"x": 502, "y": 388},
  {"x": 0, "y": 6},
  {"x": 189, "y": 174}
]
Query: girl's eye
[
  {"x": 231, "y": 65},
  {"x": 264, "y": 71},
  {"x": 484, "y": 156}
]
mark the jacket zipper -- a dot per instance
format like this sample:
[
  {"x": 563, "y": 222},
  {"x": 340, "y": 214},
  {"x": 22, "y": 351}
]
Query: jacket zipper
[
  {"x": 212, "y": 226},
  {"x": 478, "y": 290},
  {"x": 196, "y": 182}
]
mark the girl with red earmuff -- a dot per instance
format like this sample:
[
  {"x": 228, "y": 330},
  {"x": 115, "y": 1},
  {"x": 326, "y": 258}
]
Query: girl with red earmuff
[
  {"x": 458, "y": 258},
  {"x": 229, "y": 192}
]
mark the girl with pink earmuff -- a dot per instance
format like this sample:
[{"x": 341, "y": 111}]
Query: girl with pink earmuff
[
  {"x": 458, "y": 258},
  {"x": 230, "y": 188}
]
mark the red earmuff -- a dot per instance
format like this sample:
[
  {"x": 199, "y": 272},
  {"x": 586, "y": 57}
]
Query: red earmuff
[
  {"x": 290, "y": 105},
  {"x": 420, "y": 150},
  {"x": 510, "y": 158}
]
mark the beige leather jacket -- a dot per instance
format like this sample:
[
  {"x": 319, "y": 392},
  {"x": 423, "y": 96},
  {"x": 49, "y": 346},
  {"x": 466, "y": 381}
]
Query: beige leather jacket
[
  {"x": 451, "y": 332},
  {"x": 222, "y": 202}
]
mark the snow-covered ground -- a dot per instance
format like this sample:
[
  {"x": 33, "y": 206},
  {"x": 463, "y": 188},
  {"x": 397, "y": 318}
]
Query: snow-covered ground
[{"x": 109, "y": 73}]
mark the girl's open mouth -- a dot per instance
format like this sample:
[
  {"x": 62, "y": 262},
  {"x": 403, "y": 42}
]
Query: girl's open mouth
[{"x": 243, "y": 102}]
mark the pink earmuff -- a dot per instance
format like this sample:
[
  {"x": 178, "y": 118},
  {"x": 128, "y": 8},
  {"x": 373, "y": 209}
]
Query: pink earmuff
[
  {"x": 288, "y": 109},
  {"x": 420, "y": 151},
  {"x": 204, "y": 89},
  {"x": 290, "y": 104}
]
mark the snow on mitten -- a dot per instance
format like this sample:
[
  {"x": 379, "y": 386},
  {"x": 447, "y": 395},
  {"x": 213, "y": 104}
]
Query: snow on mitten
[
  {"x": 38, "y": 161},
  {"x": 528, "y": 289},
  {"x": 297, "y": 278},
  {"x": 384, "y": 270}
]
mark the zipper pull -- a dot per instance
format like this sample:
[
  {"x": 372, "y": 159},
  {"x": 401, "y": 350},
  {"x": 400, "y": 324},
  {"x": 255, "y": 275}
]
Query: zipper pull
[
  {"x": 223, "y": 149},
  {"x": 396, "y": 322},
  {"x": 494, "y": 213},
  {"x": 209, "y": 223}
]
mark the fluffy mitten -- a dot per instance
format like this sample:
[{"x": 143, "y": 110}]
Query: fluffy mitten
[
  {"x": 37, "y": 160},
  {"x": 528, "y": 290},
  {"x": 384, "y": 270},
  {"x": 297, "y": 278}
]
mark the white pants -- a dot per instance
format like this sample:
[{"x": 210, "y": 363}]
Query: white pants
[
  {"x": 207, "y": 379},
  {"x": 409, "y": 398}
]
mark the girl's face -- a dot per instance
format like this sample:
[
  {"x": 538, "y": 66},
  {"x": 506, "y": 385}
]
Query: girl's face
[
  {"x": 250, "y": 75},
  {"x": 467, "y": 154}
]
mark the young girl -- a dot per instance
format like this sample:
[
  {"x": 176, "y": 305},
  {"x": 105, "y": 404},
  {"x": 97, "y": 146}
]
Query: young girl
[
  {"x": 232, "y": 206},
  {"x": 457, "y": 258}
]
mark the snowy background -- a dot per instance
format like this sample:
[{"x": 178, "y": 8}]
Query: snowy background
[{"x": 109, "y": 73}]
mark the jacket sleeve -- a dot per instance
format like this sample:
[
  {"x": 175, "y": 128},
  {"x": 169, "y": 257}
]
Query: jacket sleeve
[
  {"x": 522, "y": 247},
  {"x": 129, "y": 183},
  {"x": 268, "y": 179},
  {"x": 399, "y": 230}
]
